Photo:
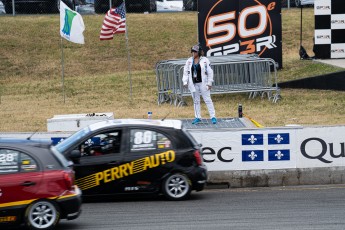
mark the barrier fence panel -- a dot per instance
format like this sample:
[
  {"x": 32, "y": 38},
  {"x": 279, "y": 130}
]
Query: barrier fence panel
[{"x": 232, "y": 74}]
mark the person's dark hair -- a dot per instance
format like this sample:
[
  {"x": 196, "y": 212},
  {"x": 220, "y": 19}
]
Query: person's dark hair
[{"x": 201, "y": 52}]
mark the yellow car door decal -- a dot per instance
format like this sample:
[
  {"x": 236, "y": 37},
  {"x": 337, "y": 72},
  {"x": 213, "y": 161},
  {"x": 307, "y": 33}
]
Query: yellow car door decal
[{"x": 124, "y": 170}]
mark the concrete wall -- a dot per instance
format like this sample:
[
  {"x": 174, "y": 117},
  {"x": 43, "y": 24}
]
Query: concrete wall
[{"x": 278, "y": 177}]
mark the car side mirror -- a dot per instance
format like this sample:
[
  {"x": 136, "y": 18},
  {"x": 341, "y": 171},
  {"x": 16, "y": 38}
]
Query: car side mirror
[{"x": 74, "y": 154}]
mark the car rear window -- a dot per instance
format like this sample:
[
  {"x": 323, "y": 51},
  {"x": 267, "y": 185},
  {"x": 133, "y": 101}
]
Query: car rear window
[
  {"x": 12, "y": 161},
  {"x": 61, "y": 158},
  {"x": 145, "y": 139},
  {"x": 190, "y": 137}
]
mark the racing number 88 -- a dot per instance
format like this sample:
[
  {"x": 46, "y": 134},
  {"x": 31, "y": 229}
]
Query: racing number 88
[{"x": 143, "y": 137}]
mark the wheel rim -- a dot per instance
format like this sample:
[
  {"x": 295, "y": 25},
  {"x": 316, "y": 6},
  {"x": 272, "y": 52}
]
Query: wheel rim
[
  {"x": 42, "y": 215},
  {"x": 177, "y": 186}
]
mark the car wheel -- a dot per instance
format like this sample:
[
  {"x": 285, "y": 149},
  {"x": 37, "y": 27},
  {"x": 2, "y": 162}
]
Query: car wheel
[
  {"x": 98, "y": 7},
  {"x": 8, "y": 7},
  {"x": 153, "y": 7},
  {"x": 176, "y": 187},
  {"x": 55, "y": 5},
  {"x": 297, "y": 3},
  {"x": 71, "y": 4},
  {"x": 42, "y": 214},
  {"x": 146, "y": 6}
]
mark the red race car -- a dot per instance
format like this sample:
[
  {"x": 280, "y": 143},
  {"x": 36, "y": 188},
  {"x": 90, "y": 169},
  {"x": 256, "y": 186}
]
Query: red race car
[{"x": 36, "y": 185}]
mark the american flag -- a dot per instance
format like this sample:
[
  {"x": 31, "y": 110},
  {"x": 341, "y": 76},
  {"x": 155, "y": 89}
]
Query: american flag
[{"x": 114, "y": 22}]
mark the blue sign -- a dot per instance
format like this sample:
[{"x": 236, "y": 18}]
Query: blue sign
[
  {"x": 278, "y": 138},
  {"x": 93, "y": 141},
  {"x": 89, "y": 142},
  {"x": 57, "y": 140},
  {"x": 252, "y": 139},
  {"x": 279, "y": 155},
  {"x": 253, "y": 155}
]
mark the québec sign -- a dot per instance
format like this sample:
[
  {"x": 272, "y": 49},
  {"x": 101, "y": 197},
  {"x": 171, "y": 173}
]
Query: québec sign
[{"x": 309, "y": 147}]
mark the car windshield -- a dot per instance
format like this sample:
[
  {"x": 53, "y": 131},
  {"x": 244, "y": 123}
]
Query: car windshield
[{"x": 66, "y": 144}]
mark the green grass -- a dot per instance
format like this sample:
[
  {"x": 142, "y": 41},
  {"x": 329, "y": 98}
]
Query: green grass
[{"x": 96, "y": 74}]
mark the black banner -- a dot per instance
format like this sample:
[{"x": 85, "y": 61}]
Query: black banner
[{"x": 241, "y": 27}]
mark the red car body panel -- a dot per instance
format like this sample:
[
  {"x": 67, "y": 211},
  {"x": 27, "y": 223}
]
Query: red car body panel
[
  {"x": 43, "y": 177},
  {"x": 20, "y": 187}
]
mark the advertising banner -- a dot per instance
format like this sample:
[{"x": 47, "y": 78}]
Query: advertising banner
[
  {"x": 241, "y": 27},
  {"x": 248, "y": 149},
  {"x": 321, "y": 147},
  {"x": 295, "y": 147}
]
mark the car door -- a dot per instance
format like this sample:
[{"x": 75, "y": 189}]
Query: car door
[
  {"x": 20, "y": 176},
  {"x": 150, "y": 156},
  {"x": 97, "y": 171}
]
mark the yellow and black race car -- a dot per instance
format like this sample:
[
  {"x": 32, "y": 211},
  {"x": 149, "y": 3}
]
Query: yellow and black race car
[{"x": 132, "y": 156}]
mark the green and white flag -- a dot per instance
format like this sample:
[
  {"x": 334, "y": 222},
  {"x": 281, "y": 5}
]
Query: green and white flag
[{"x": 71, "y": 24}]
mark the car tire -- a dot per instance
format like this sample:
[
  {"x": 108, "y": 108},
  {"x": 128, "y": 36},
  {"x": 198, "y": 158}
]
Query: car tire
[
  {"x": 153, "y": 6},
  {"x": 98, "y": 7},
  {"x": 176, "y": 187},
  {"x": 42, "y": 215},
  {"x": 297, "y": 3},
  {"x": 55, "y": 5},
  {"x": 146, "y": 7},
  {"x": 71, "y": 4},
  {"x": 8, "y": 7}
]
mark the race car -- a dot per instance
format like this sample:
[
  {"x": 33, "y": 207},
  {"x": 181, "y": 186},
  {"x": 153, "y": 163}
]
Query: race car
[
  {"x": 133, "y": 156},
  {"x": 36, "y": 186}
]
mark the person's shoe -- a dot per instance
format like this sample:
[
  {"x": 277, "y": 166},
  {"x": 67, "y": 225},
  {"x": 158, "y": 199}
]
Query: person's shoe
[
  {"x": 196, "y": 121},
  {"x": 214, "y": 120}
]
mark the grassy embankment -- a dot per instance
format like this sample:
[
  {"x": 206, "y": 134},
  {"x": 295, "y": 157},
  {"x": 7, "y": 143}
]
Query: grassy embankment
[{"x": 96, "y": 74}]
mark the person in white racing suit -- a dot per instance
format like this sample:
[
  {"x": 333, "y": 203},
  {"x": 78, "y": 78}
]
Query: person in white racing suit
[{"x": 198, "y": 77}]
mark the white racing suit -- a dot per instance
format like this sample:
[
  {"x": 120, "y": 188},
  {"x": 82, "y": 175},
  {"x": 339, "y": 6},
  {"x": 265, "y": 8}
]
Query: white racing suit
[{"x": 200, "y": 88}]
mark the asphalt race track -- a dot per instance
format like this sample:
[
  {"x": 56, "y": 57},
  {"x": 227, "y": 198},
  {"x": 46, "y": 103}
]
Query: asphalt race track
[{"x": 301, "y": 207}]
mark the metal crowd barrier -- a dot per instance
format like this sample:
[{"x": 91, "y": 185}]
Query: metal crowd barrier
[{"x": 232, "y": 74}]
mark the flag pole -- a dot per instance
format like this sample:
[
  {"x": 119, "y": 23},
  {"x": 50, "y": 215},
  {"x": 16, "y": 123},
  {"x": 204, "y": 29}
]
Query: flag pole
[
  {"x": 197, "y": 19},
  {"x": 71, "y": 33},
  {"x": 62, "y": 72},
  {"x": 128, "y": 55}
]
